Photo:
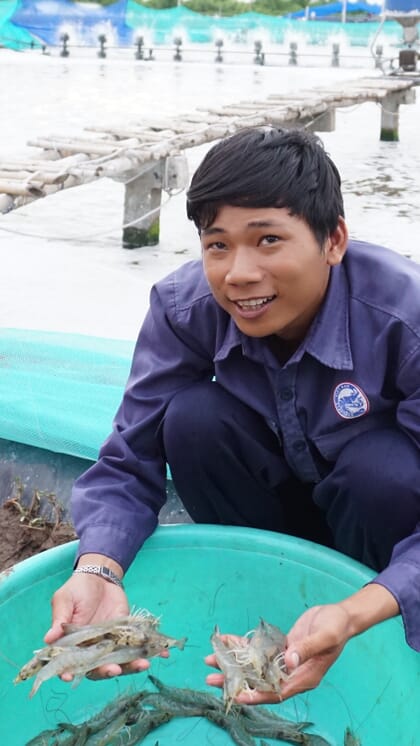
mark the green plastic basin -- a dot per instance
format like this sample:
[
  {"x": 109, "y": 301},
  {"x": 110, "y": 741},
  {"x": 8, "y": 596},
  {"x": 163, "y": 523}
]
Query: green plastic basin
[{"x": 194, "y": 577}]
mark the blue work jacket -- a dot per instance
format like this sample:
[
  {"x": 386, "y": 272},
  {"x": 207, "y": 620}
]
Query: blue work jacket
[{"x": 357, "y": 369}]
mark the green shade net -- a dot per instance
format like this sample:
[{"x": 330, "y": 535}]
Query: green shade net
[
  {"x": 163, "y": 25},
  {"x": 12, "y": 36},
  {"x": 60, "y": 391}
]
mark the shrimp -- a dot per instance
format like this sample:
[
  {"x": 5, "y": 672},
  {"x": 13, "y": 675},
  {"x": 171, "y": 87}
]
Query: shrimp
[
  {"x": 129, "y": 629},
  {"x": 152, "y": 641},
  {"x": 186, "y": 696},
  {"x": 234, "y": 673},
  {"x": 84, "y": 648},
  {"x": 128, "y": 653},
  {"x": 350, "y": 739},
  {"x": 255, "y": 663},
  {"x": 76, "y": 661},
  {"x": 40, "y": 659},
  {"x": 266, "y": 648},
  {"x": 269, "y": 643}
]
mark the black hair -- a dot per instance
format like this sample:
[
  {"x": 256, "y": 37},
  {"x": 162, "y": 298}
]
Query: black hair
[{"x": 269, "y": 167}]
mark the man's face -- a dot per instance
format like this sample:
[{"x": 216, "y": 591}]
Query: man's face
[{"x": 267, "y": 270}]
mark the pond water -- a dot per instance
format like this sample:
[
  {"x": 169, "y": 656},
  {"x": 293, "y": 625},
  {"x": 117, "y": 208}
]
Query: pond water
[{"x": 63, "y": 267}]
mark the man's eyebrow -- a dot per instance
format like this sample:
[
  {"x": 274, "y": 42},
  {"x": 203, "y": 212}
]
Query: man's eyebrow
[
  {"x": 211, "y": 230},
  {"x": 264, "y": 224},
  {"x": 251, "y": 224}
]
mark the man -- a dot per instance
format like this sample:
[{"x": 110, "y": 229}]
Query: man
[{"x": 279, "y": 378}]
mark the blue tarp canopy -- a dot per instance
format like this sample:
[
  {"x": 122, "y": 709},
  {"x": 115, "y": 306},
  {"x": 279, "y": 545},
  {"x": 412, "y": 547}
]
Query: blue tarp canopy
[
  {"x": 403, "y": 6},
  {"x": 335, "y": 9},
  {"x": 47, "y": 19}
]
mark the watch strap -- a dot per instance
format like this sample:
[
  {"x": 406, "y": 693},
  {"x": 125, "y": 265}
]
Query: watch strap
[{"x": 102, "y": 571}]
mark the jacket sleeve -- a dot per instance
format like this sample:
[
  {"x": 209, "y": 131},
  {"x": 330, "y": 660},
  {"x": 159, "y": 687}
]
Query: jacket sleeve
[
  {"x": 115, "y": 504},
  {"x": 402, "y": 576}
]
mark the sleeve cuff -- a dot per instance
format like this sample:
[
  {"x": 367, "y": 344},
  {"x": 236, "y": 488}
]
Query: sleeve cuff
[
  {"x": 114, "y": 542},
  {"x": 402, "y": 579}
]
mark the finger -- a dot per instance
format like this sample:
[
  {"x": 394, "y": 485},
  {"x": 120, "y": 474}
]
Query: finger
[
  {"x": 306, "y": 677},
  {"x": 317, "y": 644},
  {"x": 210, "y": 660},
  {"x": 113, "y": 669},
  {"x": 62, "y": 613},
  {"x": 292, "y": 658},
  {"x": 136, "y": 666},
  {"x": 56, "y": 629},
  {"x": 299, "y": 684},
  {"x": 66, "y": 677},
  {"x": 259, "y": 698},
  {"x": 215, "y": 679},
  {"x": 250, "y": 698},
  {"x": 104, "y": 672}
]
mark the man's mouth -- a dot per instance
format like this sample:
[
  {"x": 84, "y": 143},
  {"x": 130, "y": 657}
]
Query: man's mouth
[{"x": 252, "y": 304}]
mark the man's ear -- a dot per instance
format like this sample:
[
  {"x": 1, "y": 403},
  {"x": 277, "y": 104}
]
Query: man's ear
[{"x": 336, "y": 243}]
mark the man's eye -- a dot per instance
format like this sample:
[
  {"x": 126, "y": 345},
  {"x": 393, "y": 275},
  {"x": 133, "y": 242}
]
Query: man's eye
[
  {"x": 270, "y": 239},
  {"x": 217, "y": 245}
]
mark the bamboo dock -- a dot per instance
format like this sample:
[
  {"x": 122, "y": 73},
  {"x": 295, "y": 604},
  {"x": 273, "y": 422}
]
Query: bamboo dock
[{"x": 147, "y": 156}]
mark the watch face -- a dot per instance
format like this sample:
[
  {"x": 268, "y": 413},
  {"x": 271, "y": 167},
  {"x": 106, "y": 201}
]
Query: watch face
[
  {"x": 111, "y": 576},
  {"x": 104, "y": 572}
]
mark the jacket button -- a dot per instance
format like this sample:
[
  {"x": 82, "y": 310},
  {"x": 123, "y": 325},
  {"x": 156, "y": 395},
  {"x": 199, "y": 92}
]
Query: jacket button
[
  {"x": 286, "y": 394},
  {"x": 299, "y": 446}
]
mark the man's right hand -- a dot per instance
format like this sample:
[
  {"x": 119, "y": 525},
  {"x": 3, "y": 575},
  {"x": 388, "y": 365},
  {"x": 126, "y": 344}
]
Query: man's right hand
[{"x": 90, "y": 599}]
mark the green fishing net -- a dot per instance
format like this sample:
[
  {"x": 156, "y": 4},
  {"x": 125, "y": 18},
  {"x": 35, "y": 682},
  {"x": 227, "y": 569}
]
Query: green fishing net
[{"x": 60, "y": 391}]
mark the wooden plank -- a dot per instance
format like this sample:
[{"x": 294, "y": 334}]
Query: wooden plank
[
  {"x": 80, "y": 146},
  {"x": 32, "y": 177},
  {"x": 19, "y": 188},
  {"x": 140, "y": 134},
  {"x": 57, "y": 165},
  {"x": 118, "y": 151}
]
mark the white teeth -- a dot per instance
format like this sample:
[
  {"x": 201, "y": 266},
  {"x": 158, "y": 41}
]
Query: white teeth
[{"x": 255, "y": 303}]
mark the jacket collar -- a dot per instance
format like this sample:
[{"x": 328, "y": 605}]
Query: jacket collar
[{"x": 327, "y": 340}]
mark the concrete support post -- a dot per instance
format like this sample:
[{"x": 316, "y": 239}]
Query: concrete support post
[
  {"x": 379, "y": 56},
  {"x": 390, "y": 116},
  {"x": 324, "y": 122},
  {"x": 390, "y": 113},
  {"x": 142, "y": 207}
]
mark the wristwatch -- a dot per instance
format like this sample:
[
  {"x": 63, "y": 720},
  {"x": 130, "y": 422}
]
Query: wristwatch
[{"x": 101, "y": 570}]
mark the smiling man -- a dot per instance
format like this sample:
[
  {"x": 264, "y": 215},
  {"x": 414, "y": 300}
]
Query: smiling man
[
  {"x": 266, "y": 269},
  {"x": 279, "y": 377}
]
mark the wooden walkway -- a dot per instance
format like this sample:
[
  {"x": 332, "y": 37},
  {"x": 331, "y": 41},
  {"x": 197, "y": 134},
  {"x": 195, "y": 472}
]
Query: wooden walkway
[{"x": 127, "y": 152}]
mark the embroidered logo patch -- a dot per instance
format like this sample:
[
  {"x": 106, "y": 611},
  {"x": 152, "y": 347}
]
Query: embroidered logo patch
[{"x": 350, "y": 401}]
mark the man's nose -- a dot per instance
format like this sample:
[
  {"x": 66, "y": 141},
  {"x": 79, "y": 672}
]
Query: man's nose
[{"x": 243, "y": 267}]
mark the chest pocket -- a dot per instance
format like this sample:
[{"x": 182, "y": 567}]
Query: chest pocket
[{"x": 331, "y": 444}]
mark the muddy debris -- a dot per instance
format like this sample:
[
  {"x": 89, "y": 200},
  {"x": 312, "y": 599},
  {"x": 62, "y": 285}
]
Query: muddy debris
[{"x": 28, "y": 527}]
